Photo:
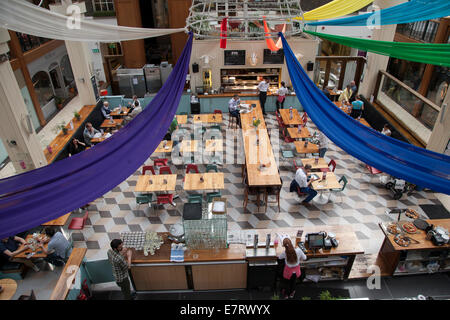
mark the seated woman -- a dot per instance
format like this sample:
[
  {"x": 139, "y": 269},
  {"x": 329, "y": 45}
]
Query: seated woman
[
  {"x": 76, "y": 146},
  {"x": 345, "y": 95}
]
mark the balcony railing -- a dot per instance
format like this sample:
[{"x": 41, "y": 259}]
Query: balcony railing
[{"x": 424, "y": 110}]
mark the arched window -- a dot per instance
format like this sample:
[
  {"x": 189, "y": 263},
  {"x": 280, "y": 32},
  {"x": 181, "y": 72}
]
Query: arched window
[
  {"x": 43, "y": 87},
  {"x": 66, "y": 70}
]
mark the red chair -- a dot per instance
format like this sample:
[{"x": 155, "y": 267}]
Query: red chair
[
  {"x": 165, "y": 170},
  {"x": 217, "y": 111},
  {"x": 148, "y": 168},
  {"x": 160, "y": 162},
  {"x": 301, "y": 194},
  {"x": 305, "y": 118},
  {"x": 373, "y": 170},
  {"x": 192, "y": 167},
  {"x": 165, "y": 199},
  {"x": 281, "y": 123},
  {"x": 333, "y": 166},
  {"x": 296, "y": 166},
  {"x": 285, "y": 137},
  {"x": 78, "y": 223}
]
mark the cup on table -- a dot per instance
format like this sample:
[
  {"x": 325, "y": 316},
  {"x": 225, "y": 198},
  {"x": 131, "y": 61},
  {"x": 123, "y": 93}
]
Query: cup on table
[
  {"x": 150, "y": 181},
  {"x": 201, "y": 179},
  {"x": 165, "y": 181},
  {"x": 306, "y": 144},
  {"x": 324, "y": 175},
  {"x": 316, "y": 160}
]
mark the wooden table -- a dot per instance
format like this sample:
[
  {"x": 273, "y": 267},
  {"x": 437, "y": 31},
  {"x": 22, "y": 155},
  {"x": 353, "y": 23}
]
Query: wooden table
[
  {"x": 331, "y": 182},
  {"x": 23, "y": 254},
  {"x": 212, "y": 181},
  {"x": 346, "y": 108},
  {"x": 59, "y": 222},
  {"x": 182, "y": 118},
  {"x": 364, "y": 122},
  {"x": 189, "y": 146},
  {"x": 214, "y": 145},
  {"x": 304, "y": 133},
  {"x": 117, "y": 114},
  {"x": 107, "y": 123},
  {"x": 98, "y": 140},
  {"x": 310, "y": 148},
  {"x": 9, "y": 288},
  {"x": 161, "y": 149},
  {"x": 256, "y": 155},
  {"x": 322, "y": 164},
  {"x": 61, "y": 139},
  {"x": 143, "y": 183},
  {"x": 208, "y": 118},
  {"x": 334, "y": 95},
  {"x": 296, "y": 118}
]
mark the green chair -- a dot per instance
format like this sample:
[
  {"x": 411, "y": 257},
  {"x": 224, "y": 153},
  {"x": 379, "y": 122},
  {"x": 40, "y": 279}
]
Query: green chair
[
  {"x": 144, "y": 198},
  {"x": 216, "y": 127},
  {"x": 344, "y": 179},
  {"x": 195, "y": 198},
  {"x": 183, "y": 113},
  {"x": 211, "y": 195},
  {"x": 211, "y": 167}
]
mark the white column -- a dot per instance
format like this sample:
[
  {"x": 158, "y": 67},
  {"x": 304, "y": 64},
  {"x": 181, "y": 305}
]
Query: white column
[
  {"x": 376, "y": 62},
  {"x": 16, "y": 129},
  {"x": 80, "y": 58}
]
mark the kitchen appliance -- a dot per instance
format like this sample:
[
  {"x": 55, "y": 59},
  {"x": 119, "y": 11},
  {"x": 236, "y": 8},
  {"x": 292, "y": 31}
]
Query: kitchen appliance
[
  {"x": 132, "y": 82},
  {"x": 152, "y": 78},
  {"x": 421, "y": 224},
  {"x": 315, "y": 240},
  {"x": 327, "y": 244},
  {"x": 165, "y": 70}
]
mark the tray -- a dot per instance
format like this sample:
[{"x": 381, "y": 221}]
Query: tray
[{"x": 215, "y": 204}]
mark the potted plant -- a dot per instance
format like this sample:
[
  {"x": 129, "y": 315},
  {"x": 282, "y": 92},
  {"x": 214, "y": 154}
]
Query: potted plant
[
  {"x": 59, "y": 102},
  {"x": 77, "y": 115},
  {"x": 61, "y": 126},
  {"x": 256, "y": 123}
]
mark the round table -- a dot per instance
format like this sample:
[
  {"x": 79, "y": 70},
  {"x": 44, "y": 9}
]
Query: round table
[{"x": 9, "y": 288}]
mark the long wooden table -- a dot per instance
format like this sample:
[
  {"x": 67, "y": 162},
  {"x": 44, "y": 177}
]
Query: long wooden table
[
  {"x": 296, "y": 118},
  {"x": 61, "y": 139},
  {"x": 212, "y": 181},
  {"x": 181, "y": 118},
  {"x": 261, "y": 154},
  {"x": 143, "y": 183},
  {"x": 58, "y": 222}
]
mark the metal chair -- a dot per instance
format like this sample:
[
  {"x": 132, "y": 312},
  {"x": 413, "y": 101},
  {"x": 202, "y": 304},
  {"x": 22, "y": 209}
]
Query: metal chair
[
  {"x": 211, "y": 195},
  {"x": 165, "y": 170},
  {"x": 332, "y": 163},
  {"x": 148, "y": 168},
  {"x": 78, "y": 223},
  {"x": 211, "y": 167},
  {"x": 343, "y": 179},
  {"x": 195, "y": 198}
]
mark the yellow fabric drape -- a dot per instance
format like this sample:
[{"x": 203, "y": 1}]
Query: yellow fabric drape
[{"x": 335, "y": 9}]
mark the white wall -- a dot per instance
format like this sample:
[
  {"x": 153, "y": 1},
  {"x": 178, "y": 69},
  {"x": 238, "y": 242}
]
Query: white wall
[{"x": 306, "y": 47}]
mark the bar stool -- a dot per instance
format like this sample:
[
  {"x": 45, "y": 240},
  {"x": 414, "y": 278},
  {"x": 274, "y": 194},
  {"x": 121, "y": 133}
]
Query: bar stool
[{"x": 232, "y": 120}]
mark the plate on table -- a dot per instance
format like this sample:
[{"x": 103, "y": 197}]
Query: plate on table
[
  {"x": 410, "y": 213},
  {"x": 393, "y": 228},
  {"x": 408, "y": 227},
  {"x": 402, "y": 240}
]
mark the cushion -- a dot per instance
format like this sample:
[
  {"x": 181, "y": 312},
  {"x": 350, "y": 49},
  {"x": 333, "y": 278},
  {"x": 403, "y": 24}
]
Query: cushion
[{"x": 11, "y": 266}]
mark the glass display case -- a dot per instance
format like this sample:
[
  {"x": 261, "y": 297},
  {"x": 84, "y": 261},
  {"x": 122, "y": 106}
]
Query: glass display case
[{"x": 247, "y": 80}]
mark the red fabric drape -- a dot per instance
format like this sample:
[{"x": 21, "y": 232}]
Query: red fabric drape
[
  {"x": 223, "y": 34},
  {"x": 269, "y": 41}
]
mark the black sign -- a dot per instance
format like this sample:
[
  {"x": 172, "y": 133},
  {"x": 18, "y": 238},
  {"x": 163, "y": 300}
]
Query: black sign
[
  {"x": 276, "y": 57},
  {"x": 234, "y": 57},
  {"x": 94, "y": 86}
]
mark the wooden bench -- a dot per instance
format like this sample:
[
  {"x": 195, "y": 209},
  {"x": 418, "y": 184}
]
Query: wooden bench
[
  {"x": 71, "y": 268},
  {"x": 61, "y": 140},
  {"x": 13, "y": 270}
]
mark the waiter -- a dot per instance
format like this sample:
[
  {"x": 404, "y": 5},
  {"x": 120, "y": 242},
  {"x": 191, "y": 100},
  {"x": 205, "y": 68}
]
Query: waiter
[{"x": 262, "y": 88}]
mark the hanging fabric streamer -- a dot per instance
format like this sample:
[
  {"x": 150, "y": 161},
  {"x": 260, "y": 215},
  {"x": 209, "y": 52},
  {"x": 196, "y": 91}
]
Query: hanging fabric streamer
[
  {"x": 22, "y": 16},
  {"x": 29, "y": 199},
  {"x": 414, "y": 10},
  {"x": 429, "y": 53},
  {"x": 422, "y": 167},
  {"x": 223, "y": 34},
  {"x": 270, "y": 43},
  {"x": 334, "y": 9}
]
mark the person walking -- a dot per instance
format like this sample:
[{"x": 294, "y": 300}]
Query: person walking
[
  {"x": 291, "y": 271},
  {"x": 323, "y": 144},
  {"x": 120, "y": 259},
  {"x": 263, "y": 86}
]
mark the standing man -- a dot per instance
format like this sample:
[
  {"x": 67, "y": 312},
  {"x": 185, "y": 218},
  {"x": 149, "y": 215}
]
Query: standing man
[
  {"x": 301, "y": 181},
  {"x": 323, "y": 144},
  {"x": 120, "y": 266},
  {"x": 354, "y": 91},
  {"x": 233, "y": 108},
  {"x": 263, "y": 86}
]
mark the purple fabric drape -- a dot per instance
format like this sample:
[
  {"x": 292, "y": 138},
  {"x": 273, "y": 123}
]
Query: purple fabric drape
[
  {"x": 402, "y": 160},
  {"x": 27, "y": 200}
]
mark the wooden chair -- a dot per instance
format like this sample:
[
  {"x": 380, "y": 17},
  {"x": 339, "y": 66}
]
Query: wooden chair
[
  {"x": 253, "y": 191},
  {"x": 286, "y": 137},
  {"x": 274, "y": 191}
]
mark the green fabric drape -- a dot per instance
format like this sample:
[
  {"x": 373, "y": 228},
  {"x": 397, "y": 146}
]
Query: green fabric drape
[{"x": 437, "y": 54}]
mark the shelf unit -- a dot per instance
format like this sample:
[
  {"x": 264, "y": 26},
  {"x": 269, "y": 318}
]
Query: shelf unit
[{"x": 241, "y": 80}]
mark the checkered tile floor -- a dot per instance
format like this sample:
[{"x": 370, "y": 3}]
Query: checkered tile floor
[{"x": 363, "y": 205}]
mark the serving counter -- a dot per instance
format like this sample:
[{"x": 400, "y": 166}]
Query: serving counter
[{"x": 217, "y": 269}]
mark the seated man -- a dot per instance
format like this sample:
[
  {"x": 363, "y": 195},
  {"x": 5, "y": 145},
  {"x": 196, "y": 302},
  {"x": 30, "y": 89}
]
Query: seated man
[
  {"x": 59, "y": 248},
  {"x": 233, "y": 108},
  {"x": 135, "y": 109},
  {"x": 89, "y": 133},
  {"x": 105, "y": 110},
  {"x": 357, "y": 108},
  {"x": 9, "y": 248},
  {"x": 301, "y": 181}
]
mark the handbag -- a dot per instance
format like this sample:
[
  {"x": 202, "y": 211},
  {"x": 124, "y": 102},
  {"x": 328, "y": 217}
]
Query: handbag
[{"x": 280, "y": 98}]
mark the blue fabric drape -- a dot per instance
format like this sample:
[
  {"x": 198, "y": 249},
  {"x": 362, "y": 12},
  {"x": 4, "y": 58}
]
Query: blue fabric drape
[
  {"x": 413, "y": 164},
  {"x": 414, "y": 10},
  {"x": 35, "y": 197}
]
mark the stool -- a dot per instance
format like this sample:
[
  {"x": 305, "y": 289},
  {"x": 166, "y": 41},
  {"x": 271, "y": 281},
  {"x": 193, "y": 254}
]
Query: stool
[{"x": 231, "y": 121}]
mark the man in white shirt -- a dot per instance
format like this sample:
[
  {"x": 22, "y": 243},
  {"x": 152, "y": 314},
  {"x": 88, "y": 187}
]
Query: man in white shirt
[
  {"x": 233, "y": 108},
  {"x": 105, "y": 110},
  {"x": 323, "y": 144},
  {"x": 386, "y": 130},
  {"x": 263, "y": 86},
  {"x": 301, "y": 181}
]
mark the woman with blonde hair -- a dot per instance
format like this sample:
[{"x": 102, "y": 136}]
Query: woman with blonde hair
[{"x": 291, "y": 272}]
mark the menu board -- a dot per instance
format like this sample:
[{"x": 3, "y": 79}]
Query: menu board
[
  {"x": 276, "y": 57},
  {"x": 234, "y": 57}
]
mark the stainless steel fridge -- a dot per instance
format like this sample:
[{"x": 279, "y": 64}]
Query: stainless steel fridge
[
  {"x": 152, "y": 78},
  {"x": 166, "y": 69},
  {"x": 131, "y": 82}
]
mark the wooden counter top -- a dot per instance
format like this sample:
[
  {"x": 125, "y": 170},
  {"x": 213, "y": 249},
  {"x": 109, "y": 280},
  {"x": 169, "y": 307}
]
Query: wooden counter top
[
  {"x": 61, "y": 139},
  {"x": 241, "y": 94},
  {"x": 421, "y": 237},
  {"x": 72, "y": 266},
  {"x": 233, "y": 253}
]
